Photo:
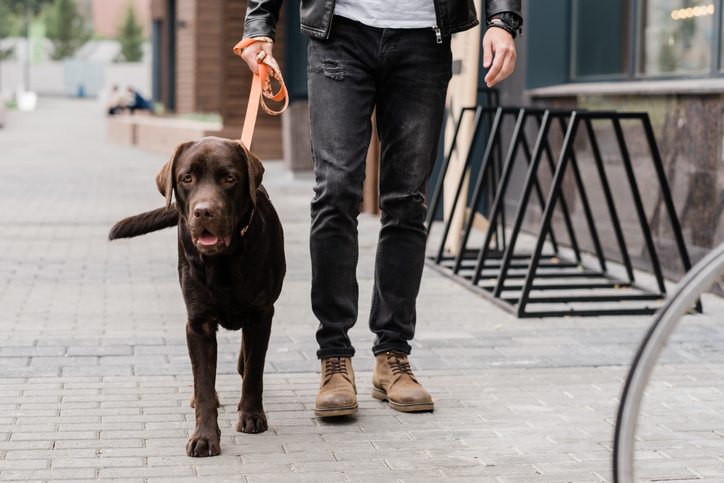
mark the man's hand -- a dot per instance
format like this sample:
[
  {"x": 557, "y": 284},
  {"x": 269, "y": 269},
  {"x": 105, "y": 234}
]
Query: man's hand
[
  {"x": 250, "y": 54},
  {"x": 499, "y": 42}
]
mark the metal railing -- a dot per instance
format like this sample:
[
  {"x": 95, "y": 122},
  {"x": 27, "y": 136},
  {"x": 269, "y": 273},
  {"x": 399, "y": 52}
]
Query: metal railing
[{"x": 495, "y": 269}]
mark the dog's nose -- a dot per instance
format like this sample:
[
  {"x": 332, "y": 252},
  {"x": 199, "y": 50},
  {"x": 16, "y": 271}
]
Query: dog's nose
[{"x": 203, "y": 210}]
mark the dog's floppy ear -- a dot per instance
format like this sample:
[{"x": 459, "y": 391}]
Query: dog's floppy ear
[
  {"x": 255, "y": 171},
  {"x": 165, "y": 181}
]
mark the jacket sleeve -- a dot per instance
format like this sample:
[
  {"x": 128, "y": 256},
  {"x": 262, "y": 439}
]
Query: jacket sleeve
[
  {"x": 495, "y": 7},
  {"x": 261, "y": 18}
]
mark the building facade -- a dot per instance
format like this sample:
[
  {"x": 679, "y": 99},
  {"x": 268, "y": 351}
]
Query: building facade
[
  {"x": 663, "y": 57},
  {"x": 196, "y": 71}
]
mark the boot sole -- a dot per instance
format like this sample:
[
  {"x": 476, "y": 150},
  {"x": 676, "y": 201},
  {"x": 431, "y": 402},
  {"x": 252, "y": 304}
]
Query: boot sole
[
  {"x": 331, "y": 412},
  {"x": 405, "y": 408}
]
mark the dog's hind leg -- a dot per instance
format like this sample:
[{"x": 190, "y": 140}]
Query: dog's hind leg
[
  {"x": 201, "y": 341},
  {"x": 255, "y": 341}
]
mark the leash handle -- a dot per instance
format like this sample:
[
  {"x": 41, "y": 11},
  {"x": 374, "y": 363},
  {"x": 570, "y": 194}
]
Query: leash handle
[{"x": 261, "y": 88}]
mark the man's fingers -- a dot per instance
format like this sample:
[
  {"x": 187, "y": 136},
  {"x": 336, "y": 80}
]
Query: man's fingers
[
  {"x": 250, "y": 58},
  {"x": 494, "y": 69},
  {"x": 499, "y": 42},
  {"x": 252, "y": 51},
  {"x": 487, "y": 52},
  {"x": 507, "y": 65}
]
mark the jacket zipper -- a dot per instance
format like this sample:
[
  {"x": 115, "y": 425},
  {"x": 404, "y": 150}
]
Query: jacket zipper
[
  {"x": 438, "y": 36},
  {"x": 436, "y": 29},
  {"x": 329, "y": 27}
]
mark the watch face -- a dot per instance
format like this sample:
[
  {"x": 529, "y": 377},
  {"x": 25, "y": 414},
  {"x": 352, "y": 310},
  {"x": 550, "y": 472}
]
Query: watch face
[{"x": 511, "y": 19}]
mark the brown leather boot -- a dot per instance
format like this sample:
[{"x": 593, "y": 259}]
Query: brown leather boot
[
  {"x": 337, "y": 394},
  {"x": 393, "y": 381}
]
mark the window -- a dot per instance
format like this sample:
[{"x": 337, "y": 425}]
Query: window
[
  {"x": 600, "y": 44},
  {"x": 677, "y": 36},
  {"x": 627, "y": 39}
]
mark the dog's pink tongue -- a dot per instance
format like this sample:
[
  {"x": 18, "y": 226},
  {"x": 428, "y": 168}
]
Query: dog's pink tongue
[{"x": 207, "y": 238}]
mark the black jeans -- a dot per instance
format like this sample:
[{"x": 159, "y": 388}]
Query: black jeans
[{"x": 405, "y": 73}]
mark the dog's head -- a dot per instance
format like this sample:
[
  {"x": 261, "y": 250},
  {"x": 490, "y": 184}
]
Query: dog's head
[{"x": 215, "y": 181}]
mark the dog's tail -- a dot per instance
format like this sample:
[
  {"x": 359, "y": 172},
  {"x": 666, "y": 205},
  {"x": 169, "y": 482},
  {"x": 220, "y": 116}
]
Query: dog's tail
[{"x": 145, "y": 223}]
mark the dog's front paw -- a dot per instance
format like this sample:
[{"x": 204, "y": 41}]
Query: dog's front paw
[
  {"x": 251, "y": 422},
  {"x": 204, "y": 443}
]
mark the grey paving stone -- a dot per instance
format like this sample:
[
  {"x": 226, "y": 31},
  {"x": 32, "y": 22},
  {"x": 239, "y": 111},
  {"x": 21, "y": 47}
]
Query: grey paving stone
[
  {"x": 106, "y": 370},
  {"x": 50, "y": 474},
  {"x": 95, "y": 375},
  {"x": 134, "y": 360},
  {"x": 109, "y": 473},
  {"x": 23, "y": 465},
  {"x": 31, "y": 351}
]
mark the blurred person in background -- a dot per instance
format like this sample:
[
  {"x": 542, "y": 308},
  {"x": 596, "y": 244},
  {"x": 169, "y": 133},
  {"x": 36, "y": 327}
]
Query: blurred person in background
[
  {"x": 117, "y": 101},
  {"x": 137, "y": 102}
]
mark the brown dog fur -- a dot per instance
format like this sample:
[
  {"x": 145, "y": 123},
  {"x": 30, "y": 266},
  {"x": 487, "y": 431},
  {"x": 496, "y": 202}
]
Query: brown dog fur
[{"x": 232, "y": 283}]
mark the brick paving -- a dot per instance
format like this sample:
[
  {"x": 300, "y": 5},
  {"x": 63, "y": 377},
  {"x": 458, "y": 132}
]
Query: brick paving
[{"x": 95, "y": 379}]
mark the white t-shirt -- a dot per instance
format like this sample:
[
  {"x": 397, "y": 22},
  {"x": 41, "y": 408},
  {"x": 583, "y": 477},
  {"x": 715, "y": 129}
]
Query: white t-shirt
[{"x": 394, "y": 14}]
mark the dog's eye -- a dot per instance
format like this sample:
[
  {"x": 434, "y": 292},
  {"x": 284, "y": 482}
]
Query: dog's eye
[
  {"x": 230, "y": 179},
  {"x": 187, "y": 178}
]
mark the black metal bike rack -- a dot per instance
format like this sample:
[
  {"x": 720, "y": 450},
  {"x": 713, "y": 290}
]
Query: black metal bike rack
[{"x": 575, "y": 287}]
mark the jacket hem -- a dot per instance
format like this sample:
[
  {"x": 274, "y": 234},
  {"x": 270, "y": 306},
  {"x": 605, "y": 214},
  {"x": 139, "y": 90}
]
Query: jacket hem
[
  {"x": 460, "y": 27},
  {"x": 504, "y": 10},
  {"x": 259, "y": 28},
  {"x": 314, "y": 33}
]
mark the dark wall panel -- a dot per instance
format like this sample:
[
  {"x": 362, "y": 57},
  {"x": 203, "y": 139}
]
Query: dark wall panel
[{"x": 548, "y": 43}]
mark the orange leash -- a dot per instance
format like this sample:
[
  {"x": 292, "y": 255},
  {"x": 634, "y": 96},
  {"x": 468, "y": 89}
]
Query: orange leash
[{"x": 261, "y": 88}]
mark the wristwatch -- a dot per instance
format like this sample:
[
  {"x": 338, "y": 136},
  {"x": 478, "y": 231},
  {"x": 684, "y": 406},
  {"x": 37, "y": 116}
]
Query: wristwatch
[{"x": 509, "y": 22}]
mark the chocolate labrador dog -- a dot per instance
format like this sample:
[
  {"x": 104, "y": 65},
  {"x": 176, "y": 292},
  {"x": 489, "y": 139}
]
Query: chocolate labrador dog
[{"x": 231, "y": 266}]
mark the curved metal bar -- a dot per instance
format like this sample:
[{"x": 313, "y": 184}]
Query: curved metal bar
[{"x": 699, "y": 279}]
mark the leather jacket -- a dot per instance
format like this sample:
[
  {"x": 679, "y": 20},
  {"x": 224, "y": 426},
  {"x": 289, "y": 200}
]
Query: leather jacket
[{"x": 316, "y": 16}]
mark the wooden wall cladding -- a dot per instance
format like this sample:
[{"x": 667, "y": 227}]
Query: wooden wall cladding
[
  {"x": 209, "y": 76},
  {"x": 185, "y": 56},
  {"x": 267, "y": 142},
  {"x": 209, "y": 48}
]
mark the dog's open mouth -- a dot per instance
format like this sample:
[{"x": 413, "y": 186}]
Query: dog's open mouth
[{"x": 208, "y": 239}]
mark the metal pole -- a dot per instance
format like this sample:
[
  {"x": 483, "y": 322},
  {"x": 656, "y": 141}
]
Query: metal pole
[
  {"x": 638, "y": 204},
  {"x": 477, "y": 194},
  {"x": 697, "y": 281},
  {"x": 609, "y": 199},
  {"x": 499, "y": 196},
  {"x": 468, "y": 160},
  {"x": 564, "y": 205},
  {"x": 530, "y": 179},
  {"x": 539, "y": 191},
  {"x": 553, "y": 196},
  {"x": 435, "y": 200}
]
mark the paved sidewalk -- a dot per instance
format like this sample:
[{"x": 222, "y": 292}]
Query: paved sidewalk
[{"x": 96, "y": 379}]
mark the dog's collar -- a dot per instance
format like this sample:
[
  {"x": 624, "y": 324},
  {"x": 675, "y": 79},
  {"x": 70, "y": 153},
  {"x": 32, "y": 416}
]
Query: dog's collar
[{"x": 243, "y": 230}]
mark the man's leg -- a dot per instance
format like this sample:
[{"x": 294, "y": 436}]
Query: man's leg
[
  {"x": 410, "y": 109},
  {"x": 341, "y": 100}
]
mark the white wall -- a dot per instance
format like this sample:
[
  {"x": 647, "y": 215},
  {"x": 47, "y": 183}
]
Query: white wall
[
  {"x": 46, "y": 79},
  {"x": 62, "y": 79}
]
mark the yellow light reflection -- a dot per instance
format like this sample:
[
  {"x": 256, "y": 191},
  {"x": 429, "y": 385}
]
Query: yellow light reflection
[{"x": 684, "y": 13}]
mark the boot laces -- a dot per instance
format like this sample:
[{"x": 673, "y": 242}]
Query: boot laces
[
  {"x": 399, "y": 363},
  {"x": 335, "y": 365}
]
